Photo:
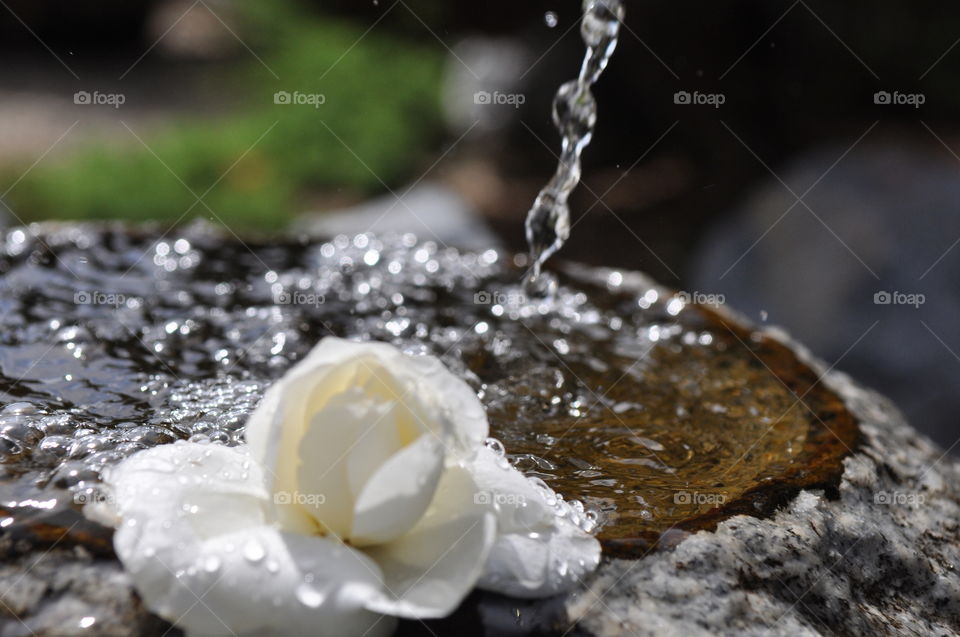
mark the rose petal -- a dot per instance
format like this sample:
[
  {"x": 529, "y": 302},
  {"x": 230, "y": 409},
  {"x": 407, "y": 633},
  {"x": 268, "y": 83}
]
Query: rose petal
[
  {"x": 398, "y": 494},
  {"x": 440, "y": 401},
  {"x": 431, "y": 569},
  {"x": 537, "y": 553},
  {"x": 322, "y": 479},
  {"x": 556, "y": 561},
  {"x": 195, "y": 543},
  {"x": 277, "y": 427},
  {"x": 453, "y": 402},
  {"x": 259, "y": 433},
  {"x": 373, "y": 447}
]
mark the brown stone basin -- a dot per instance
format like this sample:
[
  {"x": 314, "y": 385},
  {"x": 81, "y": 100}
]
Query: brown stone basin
[{"x": 716, "y": 419}]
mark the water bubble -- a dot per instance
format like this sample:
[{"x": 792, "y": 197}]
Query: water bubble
[
  {"x": 539, "y": 484},
  {"x": 527, "y": 515},
  {"x": 590, "y": 520},
  {"x": 211, "y": 564},
  {"x": 20, "y": 408},
  {"x": 20, "y": 431},
  {"x": 550, "y": 18}
]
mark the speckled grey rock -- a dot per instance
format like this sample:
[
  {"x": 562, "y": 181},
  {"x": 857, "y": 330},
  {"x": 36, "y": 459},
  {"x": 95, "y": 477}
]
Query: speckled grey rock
[
  {"x": 67, "y": 591},
  {"x": 879, "y": 560}
]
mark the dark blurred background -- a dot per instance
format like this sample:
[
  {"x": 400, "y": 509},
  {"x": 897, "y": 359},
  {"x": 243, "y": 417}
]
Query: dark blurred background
[{"x": 799, "y": 158}]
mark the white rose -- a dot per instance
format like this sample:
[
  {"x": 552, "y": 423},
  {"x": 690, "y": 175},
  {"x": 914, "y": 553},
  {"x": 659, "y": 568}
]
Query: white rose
[{"x": 365, "y": 493}]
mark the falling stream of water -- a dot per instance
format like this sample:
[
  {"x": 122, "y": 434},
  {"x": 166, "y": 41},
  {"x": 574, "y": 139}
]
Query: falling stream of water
[{"x": 574, "y": 114}]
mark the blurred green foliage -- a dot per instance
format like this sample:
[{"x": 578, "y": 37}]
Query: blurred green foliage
[{"x": 379, "y": 119}]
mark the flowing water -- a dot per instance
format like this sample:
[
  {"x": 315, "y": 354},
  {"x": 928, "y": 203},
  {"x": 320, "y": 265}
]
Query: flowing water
[
  {"x": 574, "y": 114},
  {"x": 613, "y": 391}
]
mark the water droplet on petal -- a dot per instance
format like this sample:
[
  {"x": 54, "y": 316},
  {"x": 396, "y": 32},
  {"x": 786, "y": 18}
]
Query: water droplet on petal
[
  {"x": 496, "y": 447},
  {"x": 309, "y": 596},
  {"x": 253, "y": 551}
]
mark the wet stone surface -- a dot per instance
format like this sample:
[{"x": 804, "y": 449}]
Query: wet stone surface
[
  {"x": 660, "y": 416},
  {"x": 878, "y": 557}
]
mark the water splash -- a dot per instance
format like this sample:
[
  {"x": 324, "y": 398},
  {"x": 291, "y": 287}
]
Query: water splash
[
  {"x": 574, "y": 115},
  {"x": 613, "y": 392}
]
